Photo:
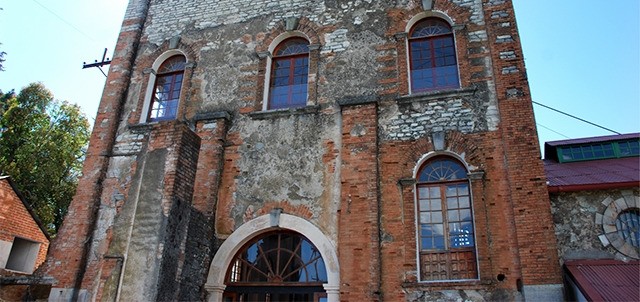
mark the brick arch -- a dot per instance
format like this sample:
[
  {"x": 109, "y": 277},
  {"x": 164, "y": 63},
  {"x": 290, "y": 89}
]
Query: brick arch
[
  {"x": 298, "y": 210},
  {"x": 403, "y": 19},
  {"x": 189, "y": 51},
  {"x": 463, "y": 144},
  {"x": 306, "y": 28}
]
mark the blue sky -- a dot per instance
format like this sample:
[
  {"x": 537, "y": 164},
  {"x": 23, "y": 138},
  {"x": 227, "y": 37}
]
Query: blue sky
[{"x": 582, "y": 56}]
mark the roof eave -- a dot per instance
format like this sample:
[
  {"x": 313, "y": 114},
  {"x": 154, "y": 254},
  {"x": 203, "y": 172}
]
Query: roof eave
[{"x": 590, "y": 187}]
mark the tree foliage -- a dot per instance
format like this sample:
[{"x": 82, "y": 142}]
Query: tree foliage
[
  {"x": 2, "y": 59},
  {"x": 42, "y": 145}
]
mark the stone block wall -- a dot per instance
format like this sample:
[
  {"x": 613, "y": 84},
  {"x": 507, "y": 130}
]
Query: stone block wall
[{"x": 578, "y": 223}]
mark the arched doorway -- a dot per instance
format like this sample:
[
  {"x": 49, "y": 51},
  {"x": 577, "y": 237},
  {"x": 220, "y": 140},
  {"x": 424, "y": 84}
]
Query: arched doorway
[
  {"x": 279, "y": 266},
  {"x": 249, "y": 233}
]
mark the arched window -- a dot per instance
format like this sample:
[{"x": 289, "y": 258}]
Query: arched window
[
  {"x": 289, "y": 74},
  {"x": 279, "y": 266},
  {"x": 166, "y": 90},
  {"x": 628, "y": 226},
  {"x": 446, "y": 237},
  {"x": 432, "y": 55}
]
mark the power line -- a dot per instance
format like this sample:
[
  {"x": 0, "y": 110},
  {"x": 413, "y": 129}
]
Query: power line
[
  {"x": 65, "y": 21},
  {"x": 556, "y": 132},
  {"x": 575, "y": 117}
]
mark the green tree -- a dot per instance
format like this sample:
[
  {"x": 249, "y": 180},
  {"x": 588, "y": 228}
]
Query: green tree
[
  {"x": 2, "y": 59},
  {"x": 42, "y": 145}
]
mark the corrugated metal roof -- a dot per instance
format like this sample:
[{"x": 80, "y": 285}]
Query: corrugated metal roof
[
  {"x": 595, "y": 139},
  {"x": 606, "y": 280},
  {"x": 594, "y": 172}
]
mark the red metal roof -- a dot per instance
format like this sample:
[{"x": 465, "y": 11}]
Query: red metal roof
[
  {"x": 593, "y": 174},
  {"x": 606, "y": 280}
]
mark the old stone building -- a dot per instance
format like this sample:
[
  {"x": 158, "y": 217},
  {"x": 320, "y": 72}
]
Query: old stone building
[{"x": 363, "y": 150}]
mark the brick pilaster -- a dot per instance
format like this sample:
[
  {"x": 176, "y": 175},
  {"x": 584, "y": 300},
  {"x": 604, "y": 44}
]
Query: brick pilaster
[{"x": 358, "y": 238}]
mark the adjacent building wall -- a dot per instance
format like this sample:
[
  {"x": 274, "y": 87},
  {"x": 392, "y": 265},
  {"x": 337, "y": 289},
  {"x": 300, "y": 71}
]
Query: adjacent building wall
[
  {"x": 578, "y": 222},
  {"x": 17, "y": 222}
]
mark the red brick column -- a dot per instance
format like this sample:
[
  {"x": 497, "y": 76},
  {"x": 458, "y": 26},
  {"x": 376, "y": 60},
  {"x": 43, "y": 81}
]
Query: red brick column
[
  {"x": 212, "y": 130},
  {"x": 358, "y": 237},
  {"x": 536, "y": 242}
]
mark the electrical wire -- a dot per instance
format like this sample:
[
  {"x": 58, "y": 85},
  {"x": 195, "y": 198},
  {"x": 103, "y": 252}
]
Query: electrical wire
[
  {"x": 575, "y": 117},
  {"x": 70, "y": 25},
  {"x": 65, "y": 21},
  {"x": 556, "y": 132},
  {"x": 105, "y": 75}
]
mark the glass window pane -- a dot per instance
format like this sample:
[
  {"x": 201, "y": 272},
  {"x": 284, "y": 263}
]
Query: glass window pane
[
  {"x": 436, "y": 217},
  {"x": 464, "y": 202},
  {"x": 423, "y": 205},
  {"x": 436, "y": 205},
  {"x": 423, "y": 192},
  {"x": 425, "y": 230},
  {"x": 438, "y": 229},
  {"x": 452, "y": 203},
  {"x": 465, "y": 214},
  {"x": 453, "y": 215},
  {"x": 608, "y": 150},
  {"x": 438, "y": 242},
  {"x": 434, "y": 193},
  {"x": 634, "y": 148},
  {"x": 452, "y": 191},
  {"x": 426, "y": 243}
]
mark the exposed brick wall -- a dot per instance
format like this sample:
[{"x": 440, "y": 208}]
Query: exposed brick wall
[
  {"x": 359, "y": 212},
  {"x": 16, "y": 221},
  {"x": 494, "y": 230},
  {"x": 527, "y": 182}
]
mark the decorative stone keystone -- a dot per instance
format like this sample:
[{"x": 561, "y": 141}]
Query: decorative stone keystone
[
  {"x": 291, "y": 23},
  {"x": 427, "y": 4}
]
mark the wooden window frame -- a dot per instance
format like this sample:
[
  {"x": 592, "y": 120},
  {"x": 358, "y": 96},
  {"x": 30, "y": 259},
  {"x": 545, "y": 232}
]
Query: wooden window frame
[
  {"x": 293, "y": 59},
  {"x": 433, "y": 56},
  {"x": 174, "y": 102},
  {"x": 447, "y": 263}
]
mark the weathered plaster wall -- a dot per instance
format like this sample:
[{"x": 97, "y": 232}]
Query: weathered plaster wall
[{"x": 283, "y": 160}]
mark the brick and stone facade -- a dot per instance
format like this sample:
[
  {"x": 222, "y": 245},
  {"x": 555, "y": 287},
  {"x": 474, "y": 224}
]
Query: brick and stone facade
[{"x": 162, "y": 206}]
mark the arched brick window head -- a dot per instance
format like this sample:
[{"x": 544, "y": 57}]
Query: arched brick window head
[
  {"x": 446, "y": 237},
  {"x": 432, "y": 56},
  {"x": 166, "y": 91},
  {"x": 289, "y": 74}
]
